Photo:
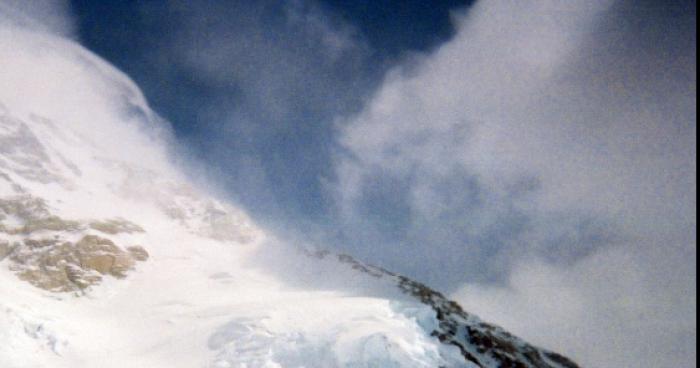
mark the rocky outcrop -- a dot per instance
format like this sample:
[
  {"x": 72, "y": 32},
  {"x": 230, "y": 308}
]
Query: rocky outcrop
[
  {"x": 480, "y": 343},
  {"x": 36, "y": 245},
  {"x": 31, "y": 214},
  {"x": 180, "y": 202},
  {"x": 116, "y": 226}
]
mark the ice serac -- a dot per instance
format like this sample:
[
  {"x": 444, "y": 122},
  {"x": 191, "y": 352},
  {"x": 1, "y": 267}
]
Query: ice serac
[{"x": 110, "y": 257}]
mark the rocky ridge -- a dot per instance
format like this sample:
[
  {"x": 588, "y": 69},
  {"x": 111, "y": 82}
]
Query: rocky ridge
[
  {"x": 79, "y": 207},
  {"x": 481, "y": 343},
  {"x": 61, "y": 255}
]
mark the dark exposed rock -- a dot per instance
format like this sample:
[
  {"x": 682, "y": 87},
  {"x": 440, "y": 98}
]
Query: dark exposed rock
[{"x": 481, "y": 343}]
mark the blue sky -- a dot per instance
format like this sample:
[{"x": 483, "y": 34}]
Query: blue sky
[
  {"x": 270, "y": 162},
  {"x": 262, "y": 92},
  {"x": 274, "y": 102},
  {"x": 250, "y": 56},
  {"x": 533, "y": 159}
]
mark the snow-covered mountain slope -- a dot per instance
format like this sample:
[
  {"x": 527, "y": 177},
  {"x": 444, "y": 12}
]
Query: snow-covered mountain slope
[{"x": 109, "y": 257}]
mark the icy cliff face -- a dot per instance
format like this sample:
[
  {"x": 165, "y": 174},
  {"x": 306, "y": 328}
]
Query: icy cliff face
[{"x": 110, "y": 258}]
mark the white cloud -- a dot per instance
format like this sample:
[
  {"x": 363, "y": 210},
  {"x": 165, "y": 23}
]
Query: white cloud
[
  {"x": 538, "y": 148},
  {"x": 266, "y": 78},
  {"x": 53, "y": 16},
  {"x": 608, "y": 310}
]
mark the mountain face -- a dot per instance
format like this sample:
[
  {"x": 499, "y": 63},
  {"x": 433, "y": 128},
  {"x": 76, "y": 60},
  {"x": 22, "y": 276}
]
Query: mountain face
[{"x": 110, "y": 257}]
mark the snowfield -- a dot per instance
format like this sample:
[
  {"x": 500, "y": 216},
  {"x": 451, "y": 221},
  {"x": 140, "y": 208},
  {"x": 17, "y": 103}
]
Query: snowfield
[{"x": 85, "y": 182}]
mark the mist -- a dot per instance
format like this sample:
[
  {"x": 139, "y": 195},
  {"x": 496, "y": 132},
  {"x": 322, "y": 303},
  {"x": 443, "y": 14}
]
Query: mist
[
  {"x": 47, "y": 16},
  {"x": 544, "y": 160},
  {"x": 539, "y": 166}
]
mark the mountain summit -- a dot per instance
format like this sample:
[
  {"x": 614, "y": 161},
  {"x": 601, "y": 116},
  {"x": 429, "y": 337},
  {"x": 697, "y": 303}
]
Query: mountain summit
[{"x": 110, "y": 257}]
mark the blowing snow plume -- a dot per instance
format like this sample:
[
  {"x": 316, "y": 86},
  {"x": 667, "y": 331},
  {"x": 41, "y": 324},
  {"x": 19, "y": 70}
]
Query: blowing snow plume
[
  {"x": 110, "y": 257},
  {"x": 49, "y": 16},
  {"x": 539, "y": 167},
  {"x": 544, "y": 162}
]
